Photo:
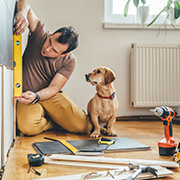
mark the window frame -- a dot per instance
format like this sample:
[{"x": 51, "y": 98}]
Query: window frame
[{"x": 112, "y": 20}]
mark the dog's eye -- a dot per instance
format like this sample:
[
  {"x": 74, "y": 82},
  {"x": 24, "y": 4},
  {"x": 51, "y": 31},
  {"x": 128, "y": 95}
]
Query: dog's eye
[{"x": 98, "y": 71}]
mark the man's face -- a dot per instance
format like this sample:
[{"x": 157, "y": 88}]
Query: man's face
[{"x": 52, "y": 48}]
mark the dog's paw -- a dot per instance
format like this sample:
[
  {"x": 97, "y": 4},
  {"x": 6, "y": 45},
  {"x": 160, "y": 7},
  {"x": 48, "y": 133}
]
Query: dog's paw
[
  {"x": 111, "y": 133},
  {"x": 95, "y": 134}
]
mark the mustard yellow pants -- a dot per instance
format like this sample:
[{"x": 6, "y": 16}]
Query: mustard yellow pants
[{"x": 60, "y": 108}]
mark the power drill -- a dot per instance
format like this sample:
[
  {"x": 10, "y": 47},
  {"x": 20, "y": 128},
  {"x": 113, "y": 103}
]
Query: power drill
[{"x": 167, "y": 145}]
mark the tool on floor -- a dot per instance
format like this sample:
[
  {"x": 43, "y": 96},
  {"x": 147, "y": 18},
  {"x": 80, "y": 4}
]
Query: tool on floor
[
  {"x": 35, "y": 160},
  {"x": 176, "y": 155},
  {"x": 76, "y": 151},
  {"x": 104, "y": 143},
  {"x": 140, "y": 169},
  {"x": 17, "y": 65},
  {"x": 121, "y": 144},
  {"x": 168, "y": 144}
]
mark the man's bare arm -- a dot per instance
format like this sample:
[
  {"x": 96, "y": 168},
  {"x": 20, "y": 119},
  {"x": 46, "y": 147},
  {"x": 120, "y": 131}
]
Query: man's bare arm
[
  {"x": 25, "y": 17},
  {"x": 55, "y": 86}
]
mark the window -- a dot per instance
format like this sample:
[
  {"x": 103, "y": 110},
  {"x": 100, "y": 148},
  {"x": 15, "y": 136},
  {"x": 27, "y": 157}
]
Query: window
[{"x": 114, "y": 13}]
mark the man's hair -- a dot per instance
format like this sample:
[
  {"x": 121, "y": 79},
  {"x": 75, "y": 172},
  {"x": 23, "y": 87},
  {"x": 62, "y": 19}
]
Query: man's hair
[{"x": 69, "y": 36}]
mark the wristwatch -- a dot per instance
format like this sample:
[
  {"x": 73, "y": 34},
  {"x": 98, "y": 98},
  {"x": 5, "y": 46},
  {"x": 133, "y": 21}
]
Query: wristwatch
[{"x": 36, "y": 99}]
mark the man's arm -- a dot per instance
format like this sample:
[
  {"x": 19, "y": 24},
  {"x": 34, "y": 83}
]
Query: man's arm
[
  {"x": 55, "y": 86},
  {"x": 25, "y": 17}
]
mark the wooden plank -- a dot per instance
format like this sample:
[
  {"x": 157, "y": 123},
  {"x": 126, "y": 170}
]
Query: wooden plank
[
  {"x": 116, "y": 161},
  {"x": 117, "y": 174},
  {"x": 82, "y": 164}
]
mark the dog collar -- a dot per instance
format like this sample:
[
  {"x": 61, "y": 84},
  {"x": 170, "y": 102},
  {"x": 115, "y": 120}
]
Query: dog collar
[{"x": 107, "y": 97}]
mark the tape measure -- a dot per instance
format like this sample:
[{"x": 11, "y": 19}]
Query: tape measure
[
  {"x": 104, "y": 143},
  {"x": 17, "y": 65},
  {"x": 107, "y": 141},
  {"x": 35, "y": 160}
]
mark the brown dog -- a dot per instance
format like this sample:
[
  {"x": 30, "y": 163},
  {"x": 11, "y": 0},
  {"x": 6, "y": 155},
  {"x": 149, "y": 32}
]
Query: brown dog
[{"x": 103, "y": 107}]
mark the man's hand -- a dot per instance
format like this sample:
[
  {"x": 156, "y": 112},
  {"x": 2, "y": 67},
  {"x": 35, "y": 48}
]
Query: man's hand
[
  {"x": 25, "y": 18},
  {"x": 27, "y": 97},
  {"x": 21, "y": 23}
]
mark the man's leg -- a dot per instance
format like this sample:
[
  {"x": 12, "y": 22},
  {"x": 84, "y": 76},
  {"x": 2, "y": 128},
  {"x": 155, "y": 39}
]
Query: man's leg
[
  {"x": 30, "y": 119},
  {"x": 64, "y": 112}
]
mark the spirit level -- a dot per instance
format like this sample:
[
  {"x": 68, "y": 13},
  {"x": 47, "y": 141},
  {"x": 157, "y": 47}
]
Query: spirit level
[{"x": 17, "y": 65}]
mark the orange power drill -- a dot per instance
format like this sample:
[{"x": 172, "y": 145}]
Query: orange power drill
[{"x": 167, "y": 145}]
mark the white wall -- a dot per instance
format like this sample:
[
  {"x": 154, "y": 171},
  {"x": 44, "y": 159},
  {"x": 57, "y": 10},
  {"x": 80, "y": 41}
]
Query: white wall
[
  {"x": 98, "y": 46},
  {"x": 1, "y": 116},
  {"x": 8, "y": 113},
  {"x": 6, "y": 78}
]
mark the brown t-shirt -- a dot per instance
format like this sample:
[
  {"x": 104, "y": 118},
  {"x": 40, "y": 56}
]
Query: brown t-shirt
[{"x": 38, "y": 71}]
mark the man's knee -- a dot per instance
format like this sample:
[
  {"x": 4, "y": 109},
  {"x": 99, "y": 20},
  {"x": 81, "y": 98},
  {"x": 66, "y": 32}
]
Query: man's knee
[
  {"x": 27, "y": 128},
  {"x": 30, "y": 118}
]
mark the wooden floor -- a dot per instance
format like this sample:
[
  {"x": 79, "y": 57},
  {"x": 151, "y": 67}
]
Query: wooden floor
[{"x": 146, "y": 132}]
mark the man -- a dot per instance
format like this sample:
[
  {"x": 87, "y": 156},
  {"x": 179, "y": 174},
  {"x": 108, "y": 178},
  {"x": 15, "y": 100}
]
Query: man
[{"x": 47, "y": 66}]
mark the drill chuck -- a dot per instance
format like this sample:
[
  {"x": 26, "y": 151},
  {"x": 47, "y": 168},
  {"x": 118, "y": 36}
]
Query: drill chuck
[
  {"x": 158, "y": 111},
  {"x": 164, "y": 112}
]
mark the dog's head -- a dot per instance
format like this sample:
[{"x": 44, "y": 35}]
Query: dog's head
[{"x": 100, "y": 75}]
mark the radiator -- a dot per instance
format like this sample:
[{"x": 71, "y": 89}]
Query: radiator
[{"x": 155, "y": 75}]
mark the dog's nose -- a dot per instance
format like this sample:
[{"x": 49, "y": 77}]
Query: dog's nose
[{"x": 87, "y": 77}]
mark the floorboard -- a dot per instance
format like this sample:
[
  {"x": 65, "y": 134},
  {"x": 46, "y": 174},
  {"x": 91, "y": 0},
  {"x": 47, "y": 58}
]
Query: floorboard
[{"x": 146, "y": 132}]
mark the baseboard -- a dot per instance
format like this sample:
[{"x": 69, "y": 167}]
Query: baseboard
[{"x": 143, "y": 118}]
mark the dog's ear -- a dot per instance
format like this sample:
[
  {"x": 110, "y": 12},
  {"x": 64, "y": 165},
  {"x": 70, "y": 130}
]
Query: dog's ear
[{"x": 109, "y": 77}]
